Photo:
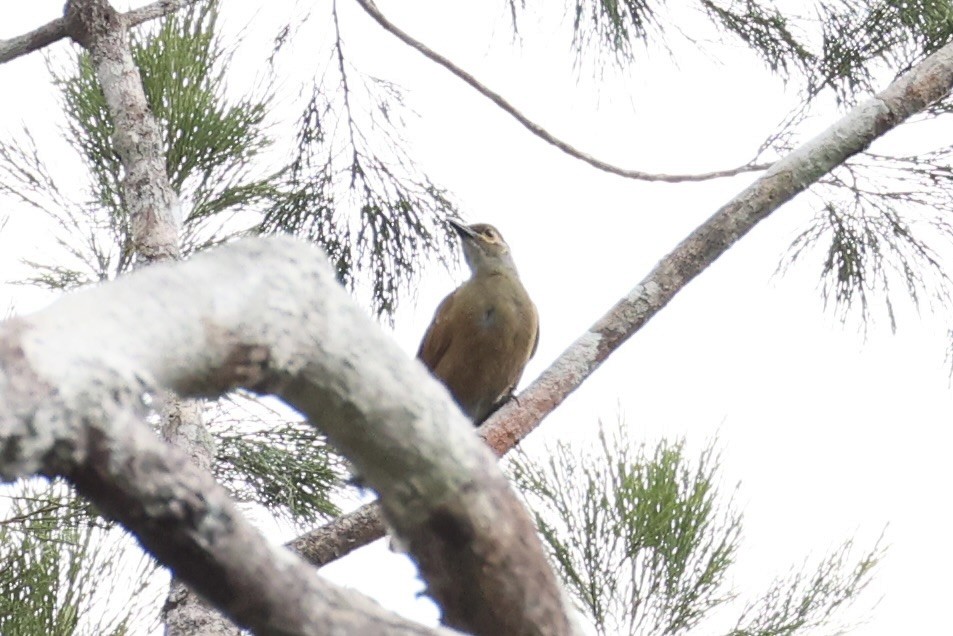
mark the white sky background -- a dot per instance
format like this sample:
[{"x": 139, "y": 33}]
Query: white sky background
[{"x": 831, "y": 436}]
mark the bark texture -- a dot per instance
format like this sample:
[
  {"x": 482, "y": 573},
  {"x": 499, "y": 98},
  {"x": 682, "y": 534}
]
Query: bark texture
[
  {"x": 185, "y": 612},
  {"x": 342, "y": 536},
  {"x": 152, "y": 206}
]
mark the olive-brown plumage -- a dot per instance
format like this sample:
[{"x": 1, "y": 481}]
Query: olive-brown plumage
[{"x": 483, "y": 333}]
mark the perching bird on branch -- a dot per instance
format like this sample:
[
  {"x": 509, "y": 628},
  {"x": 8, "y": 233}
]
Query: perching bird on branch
[{"x": 486, "y": 330}]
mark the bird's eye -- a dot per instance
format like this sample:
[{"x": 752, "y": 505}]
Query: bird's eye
[{"x": 489, "y": 233}]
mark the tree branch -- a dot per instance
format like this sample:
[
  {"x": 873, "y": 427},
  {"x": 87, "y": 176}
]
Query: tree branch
[
  {"x": 341, "y": 536},
  {"x": 928, "y": 82},
  {"x": 155, "y": 221},
  {"x": 152, "y": 206},
  {"x": 58, "y": 29},
  {"x": 177, "y": 510},
  {"x": 269, "y": 316},
  {"x": 185, "y": 518},
  {"x": 911, "y": 93},
  {"x": 536, "y": 129}
]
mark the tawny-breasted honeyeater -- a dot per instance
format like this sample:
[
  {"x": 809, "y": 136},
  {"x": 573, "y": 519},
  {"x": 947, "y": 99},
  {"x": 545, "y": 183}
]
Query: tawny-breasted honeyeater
[{"x": 483, "y": 333}]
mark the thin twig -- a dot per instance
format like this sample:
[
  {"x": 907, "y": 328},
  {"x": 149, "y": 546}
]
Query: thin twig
[
  {"x": 538, "y": 130},
  {"x": 346, "y": 89}
]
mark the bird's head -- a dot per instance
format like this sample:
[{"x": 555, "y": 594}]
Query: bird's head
[{"x": 484, "y": 248}]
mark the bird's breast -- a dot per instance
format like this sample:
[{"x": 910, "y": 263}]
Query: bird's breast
[
  {"x": 491, "y": 328},
  {"x": 502, "y": 318}
]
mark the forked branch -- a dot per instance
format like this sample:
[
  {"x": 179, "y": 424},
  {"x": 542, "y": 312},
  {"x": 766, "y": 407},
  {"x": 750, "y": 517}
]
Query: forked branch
[
  {"x": 268, "y": 315},
  {"x": 58, "y": 29}
]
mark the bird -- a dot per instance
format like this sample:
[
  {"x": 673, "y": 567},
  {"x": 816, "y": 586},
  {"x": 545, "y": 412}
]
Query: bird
[{"x": 484, "y": 332}]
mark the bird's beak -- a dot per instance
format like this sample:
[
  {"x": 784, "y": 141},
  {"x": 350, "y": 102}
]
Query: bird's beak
[{"x": 463, "y": 230}]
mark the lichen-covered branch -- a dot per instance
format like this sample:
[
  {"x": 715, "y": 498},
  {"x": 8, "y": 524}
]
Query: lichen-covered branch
[
  {"x": 152, "y": 206},
  {"x": 267, "y": 315}
]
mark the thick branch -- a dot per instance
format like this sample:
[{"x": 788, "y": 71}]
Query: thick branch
[
  {"x": 187, "y": 520},
  {"x": 100, "y": 441},
  {"x": 536, "y": 129},
  {"x": 913, "y": 92},
  {"x": 268, "y": 315},
  {"x": 57, "y": 29}
]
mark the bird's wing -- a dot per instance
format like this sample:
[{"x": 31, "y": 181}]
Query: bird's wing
[
  {"x": 511, "y": 389},
  {"x": 535, "y": 342},
  {"x": 437, "y": 339}
]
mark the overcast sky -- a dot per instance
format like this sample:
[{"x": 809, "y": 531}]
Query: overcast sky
[{"x": 831, "y": 435}]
